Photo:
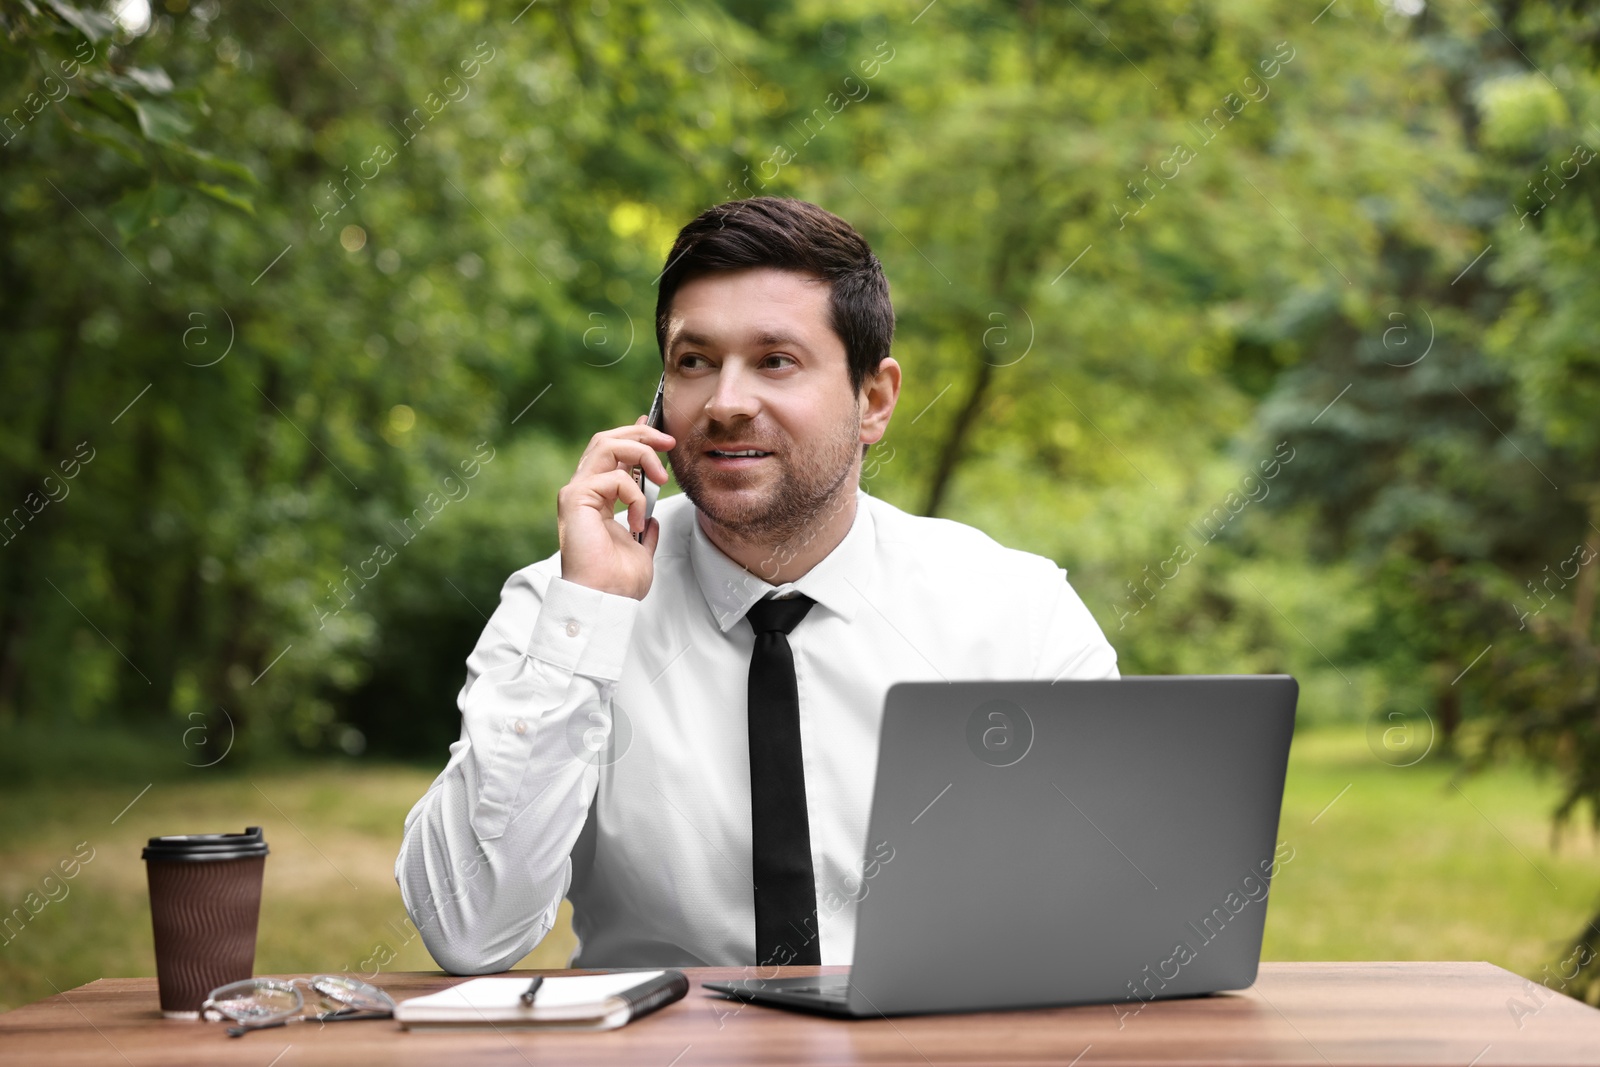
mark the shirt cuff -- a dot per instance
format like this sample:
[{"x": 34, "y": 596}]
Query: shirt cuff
[{"x": 583, "y": 631}]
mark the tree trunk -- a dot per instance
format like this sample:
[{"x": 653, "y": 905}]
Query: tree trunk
[
  {"x": 20, "y": 585},
  {"x": 1449, "y": 708},
  {"x": 1583, "y": 599},
  {"x": 950, "y": 454}
]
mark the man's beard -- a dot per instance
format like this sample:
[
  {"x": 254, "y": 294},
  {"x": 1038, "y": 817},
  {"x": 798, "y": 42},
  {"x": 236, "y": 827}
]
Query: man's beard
[{"x": 809, "y": 479}]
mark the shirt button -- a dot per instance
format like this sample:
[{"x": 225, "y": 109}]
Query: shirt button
[
  {"x": 520, "y": 726},
  {"x": 572, "y": 629}
]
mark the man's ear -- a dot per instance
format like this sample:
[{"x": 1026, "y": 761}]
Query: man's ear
[{"x": 879, "y": 393}]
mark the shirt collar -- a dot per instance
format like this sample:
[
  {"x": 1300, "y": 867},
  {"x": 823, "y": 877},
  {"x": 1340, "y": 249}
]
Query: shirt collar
[{"x": 838, "y": 581}]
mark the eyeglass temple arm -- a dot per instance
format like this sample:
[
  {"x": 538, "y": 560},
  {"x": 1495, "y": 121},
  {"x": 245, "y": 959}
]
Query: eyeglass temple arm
[{"x": 325, "y": 1017}]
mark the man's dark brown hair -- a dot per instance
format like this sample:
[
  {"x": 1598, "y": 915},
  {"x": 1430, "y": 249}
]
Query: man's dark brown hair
[{"x": 774, "y": 231}]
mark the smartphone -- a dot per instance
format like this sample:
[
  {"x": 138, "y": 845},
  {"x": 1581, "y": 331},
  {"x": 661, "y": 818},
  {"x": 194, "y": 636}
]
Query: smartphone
[{"x": 650, "y": 489}]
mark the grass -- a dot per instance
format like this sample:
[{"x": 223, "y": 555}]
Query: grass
[
  {"x": 329, "y": 901},
  {"x": 1389, "y": 864},
  {"x": 1409, "y": 863}
]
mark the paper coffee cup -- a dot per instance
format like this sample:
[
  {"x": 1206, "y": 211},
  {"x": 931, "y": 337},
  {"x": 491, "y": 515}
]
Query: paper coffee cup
[{"x": 205, "y": 902}]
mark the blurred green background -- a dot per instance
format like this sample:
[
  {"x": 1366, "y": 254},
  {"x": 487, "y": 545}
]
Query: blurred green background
[{"x": 1272, "y": 322}]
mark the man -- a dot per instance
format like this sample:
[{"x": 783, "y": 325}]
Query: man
[{"x": 681, "y": 734}]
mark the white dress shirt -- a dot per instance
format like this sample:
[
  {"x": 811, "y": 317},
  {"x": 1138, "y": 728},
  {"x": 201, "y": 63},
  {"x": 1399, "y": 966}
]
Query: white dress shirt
[{"x": 604, "y": 751}]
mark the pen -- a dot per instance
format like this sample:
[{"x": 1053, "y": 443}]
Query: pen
[{"x": 533, "y": 987}]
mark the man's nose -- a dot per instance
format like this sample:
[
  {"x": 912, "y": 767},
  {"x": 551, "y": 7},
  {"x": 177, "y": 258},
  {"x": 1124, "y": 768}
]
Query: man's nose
[{"x": 734, "y": 395}]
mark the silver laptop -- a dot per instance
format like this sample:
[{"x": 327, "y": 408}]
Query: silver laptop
[{"x": 1062, "y": 843}]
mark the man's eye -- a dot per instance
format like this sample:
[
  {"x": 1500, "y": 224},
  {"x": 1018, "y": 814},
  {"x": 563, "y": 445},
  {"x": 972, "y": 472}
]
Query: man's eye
[
  {"x": 779, "y": 356},
  {"x": 689, "y": 360}
]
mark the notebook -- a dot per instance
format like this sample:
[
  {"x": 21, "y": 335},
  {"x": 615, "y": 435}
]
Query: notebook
[{"x": 579, "y": 1002}]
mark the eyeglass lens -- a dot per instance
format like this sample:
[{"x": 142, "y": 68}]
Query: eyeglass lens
[
  {"x": 256, "y": 999},
  {"x": 352, "y": 993}
]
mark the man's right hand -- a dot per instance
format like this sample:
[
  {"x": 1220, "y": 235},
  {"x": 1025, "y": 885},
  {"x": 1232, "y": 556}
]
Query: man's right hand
[{"x": 596, "y": 550}]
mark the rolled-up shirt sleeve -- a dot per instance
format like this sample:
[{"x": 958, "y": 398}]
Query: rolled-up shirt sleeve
[{"x": 485, "y": 859}]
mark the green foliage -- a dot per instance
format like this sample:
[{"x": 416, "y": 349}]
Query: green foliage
[
  {"x": 1460, "y": 476},
  {"x": 1521, "y": 112},
  {"x": 70, "y": 61}
]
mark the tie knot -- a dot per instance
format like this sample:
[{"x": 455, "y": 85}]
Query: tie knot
[{"x": 782, "y": 616}]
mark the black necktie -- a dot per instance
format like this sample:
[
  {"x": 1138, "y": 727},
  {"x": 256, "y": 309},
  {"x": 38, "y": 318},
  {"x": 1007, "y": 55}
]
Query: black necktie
[{"x": 786, "y": 891}]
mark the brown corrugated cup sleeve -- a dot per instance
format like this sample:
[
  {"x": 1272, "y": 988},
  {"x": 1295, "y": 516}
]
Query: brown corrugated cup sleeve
[{"x": 205, "y": 904}]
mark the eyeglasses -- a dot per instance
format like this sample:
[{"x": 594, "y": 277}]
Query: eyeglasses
[{"x": 262, "y": 1003}]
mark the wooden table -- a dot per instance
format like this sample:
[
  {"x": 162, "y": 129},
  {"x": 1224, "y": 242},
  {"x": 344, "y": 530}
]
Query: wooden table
[{"x": 1318, "y": 1014}]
